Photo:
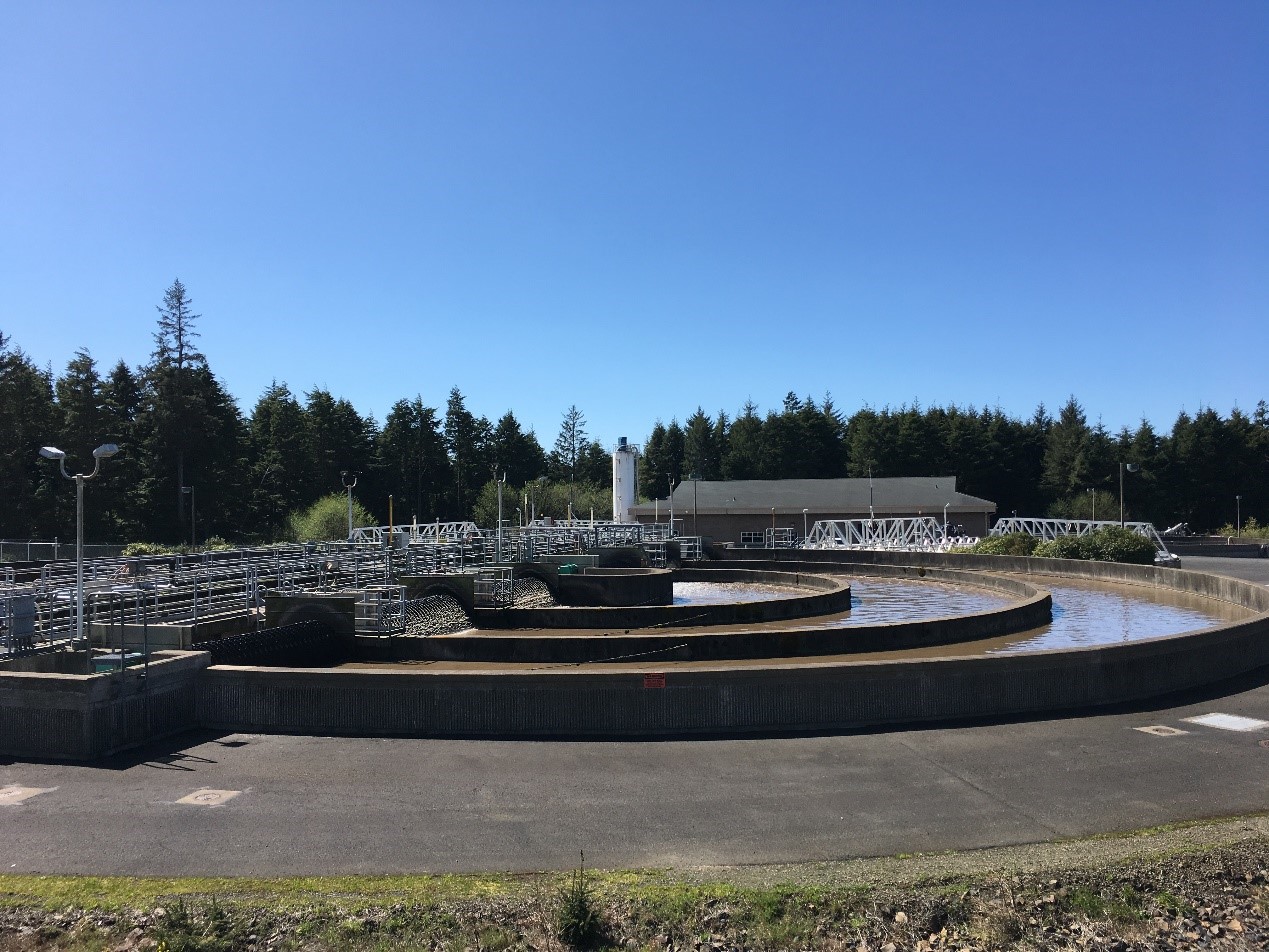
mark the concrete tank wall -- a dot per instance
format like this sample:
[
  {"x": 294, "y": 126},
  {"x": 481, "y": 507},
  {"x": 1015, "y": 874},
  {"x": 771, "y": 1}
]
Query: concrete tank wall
[
  {"x": 84, "y": 717},
  {"x": 644, "y": 700}
]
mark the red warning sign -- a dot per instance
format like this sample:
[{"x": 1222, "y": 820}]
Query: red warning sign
[{"x": 654, "y": 680}]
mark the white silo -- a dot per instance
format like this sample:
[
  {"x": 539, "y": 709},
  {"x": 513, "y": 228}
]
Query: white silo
[{"x": 625, "y": 485}]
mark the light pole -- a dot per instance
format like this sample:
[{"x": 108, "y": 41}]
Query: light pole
[
  {"x": 695, "y": 479},
  {"x": 1092, "y": 494},
  {"x": 945, "y": 505},
  {"x": 343, "y": 478},
  {"x": 501, "y": 482},
  {"x": 1238, "y": 517},
  {"x": 804, "y": 512},
  {"x": 193, "y": 522},
  {"x": 104, "y": 451},
  {"x": 1132, "y": 468},
  {"x": 670, "y": 480},
  {"x": 534, "y": 488}
]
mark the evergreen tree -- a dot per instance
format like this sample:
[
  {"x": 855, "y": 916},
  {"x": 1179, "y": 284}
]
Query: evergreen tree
[
  {"x": 121, "y": 401},
  {"x": 517, "y": 454},
  {"x": 416, "y": 469},
  {"x": 722, "y": 441},
  {"x": 594, "y": 467},
  {"x": 82, "y": 429},
  {"x": 27, "y": 422},
  {"x": 742, "y": 458},
  {"x": 280, "y": 462},
  {"x": 472, "y": 463},
  {"x": 1066, "y": 456},
  {"x": 673, "y": 452},
  {"x": 653, "y": 468},
  {"x": 337, "y": 440},
  {"x": 190, "y": 432},
  {"x": 569, "y": 446},
  {"x": 700, "y": 453},
  {"x": 865, "y": 443}
]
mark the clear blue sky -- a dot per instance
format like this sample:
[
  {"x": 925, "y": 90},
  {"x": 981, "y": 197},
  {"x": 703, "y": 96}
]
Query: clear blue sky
[{"x": 642, "y": 207}]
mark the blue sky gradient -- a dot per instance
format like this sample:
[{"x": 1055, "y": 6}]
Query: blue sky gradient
[{"x": 639, "y": 208}]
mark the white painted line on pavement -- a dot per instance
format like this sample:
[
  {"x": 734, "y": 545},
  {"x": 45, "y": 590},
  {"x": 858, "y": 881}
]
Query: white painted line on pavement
[
  {"x": 14, "y": 794},
  {"x": 1228, "y": 722},
  {"x": 1161, "y": 730}
]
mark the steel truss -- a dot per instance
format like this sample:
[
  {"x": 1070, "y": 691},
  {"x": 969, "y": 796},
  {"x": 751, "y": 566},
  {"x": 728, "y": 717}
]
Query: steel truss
[{"x": 915, "y": 534}]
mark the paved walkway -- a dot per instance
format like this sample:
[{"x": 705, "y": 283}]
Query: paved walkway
[{"x": 273, "y": 805}]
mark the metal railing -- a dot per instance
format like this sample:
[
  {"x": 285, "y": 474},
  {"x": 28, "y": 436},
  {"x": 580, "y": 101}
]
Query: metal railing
[{"x": 51, "y": 550}]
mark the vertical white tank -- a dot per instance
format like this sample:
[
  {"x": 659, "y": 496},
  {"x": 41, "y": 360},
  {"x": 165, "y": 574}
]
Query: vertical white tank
[{"x": 625, "y": 485}]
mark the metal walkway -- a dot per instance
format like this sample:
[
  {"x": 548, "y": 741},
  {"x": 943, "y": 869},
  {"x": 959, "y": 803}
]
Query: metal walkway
[{"x": 916, "y": 534}]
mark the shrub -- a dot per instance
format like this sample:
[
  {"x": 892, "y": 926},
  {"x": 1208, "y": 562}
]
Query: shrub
[
  {"x": 1063, "y": 547},
  {"x": 147, "y": 548},
  {"x": 1251, "y": 529},
  {"x": 327, "y": 519},
  {"x": 577, "y": 921},
  {"x": 1012, "y": 543},
  {"x": 1107, "y": 544},
  {"x": 1113, "y": 544}
]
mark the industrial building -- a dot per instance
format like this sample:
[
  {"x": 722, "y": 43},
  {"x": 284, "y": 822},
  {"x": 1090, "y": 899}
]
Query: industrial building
[{"x": 742, "y": 510}]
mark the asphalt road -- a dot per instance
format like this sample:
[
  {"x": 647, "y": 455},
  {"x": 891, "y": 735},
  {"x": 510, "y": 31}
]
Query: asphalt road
[{"x": 314, "y": 805}]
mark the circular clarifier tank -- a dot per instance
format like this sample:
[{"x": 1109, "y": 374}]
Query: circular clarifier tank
[{"x": 895, "y": 639}]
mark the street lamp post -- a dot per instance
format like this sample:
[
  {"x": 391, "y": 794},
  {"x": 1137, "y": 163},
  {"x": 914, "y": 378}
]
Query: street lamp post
[
  {"x": 105, "y": 451},
  {"x": 343, "y": 478},
  {"x": 945, "y": 505},
  {"x": 1132, "y": 468},
  {"x": 804, "y": 512},
  {"x": 193, "y": 522},
  {"x": 1092, "y": 494},
  {"x": 1238, "y": 517}
]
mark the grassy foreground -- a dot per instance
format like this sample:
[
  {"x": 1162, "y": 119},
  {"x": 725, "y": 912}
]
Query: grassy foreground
[{"x": 1196, "y": 886}]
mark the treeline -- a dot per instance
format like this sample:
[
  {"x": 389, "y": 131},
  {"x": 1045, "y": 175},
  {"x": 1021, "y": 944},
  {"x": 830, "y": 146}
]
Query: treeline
[
  {"x": 1062, "y": 467},
  {"x": 187, "y": 451}
]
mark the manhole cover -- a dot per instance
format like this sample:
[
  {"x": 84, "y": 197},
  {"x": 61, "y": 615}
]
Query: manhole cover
[
  {"x": 1265, "y": 744},
  {"x": 1161, "y": 730},
  {"x": 209, "y": 798}
]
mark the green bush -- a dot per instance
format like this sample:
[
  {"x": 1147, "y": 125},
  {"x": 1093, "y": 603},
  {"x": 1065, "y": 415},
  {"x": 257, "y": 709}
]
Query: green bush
[
  {"x": 147, "y": 548},
  {"x": 1063, "y": 547},
  {"x": 1113, "y": 544},
  {"x": 327, "y": 519},
  {"x": 1107, "y": 544},
  {"x": 1012, "y": 543},
  {"x": 1251, "y": 529}
]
